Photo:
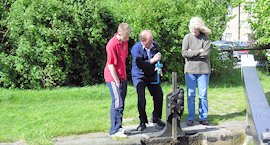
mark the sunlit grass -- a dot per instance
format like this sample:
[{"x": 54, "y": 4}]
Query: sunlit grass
[{"x": 37, "y": 116}]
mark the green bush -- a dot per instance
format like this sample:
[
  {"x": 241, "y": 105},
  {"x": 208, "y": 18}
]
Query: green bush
[
  {"x": 62, "y": 42},
  {"x": 56, "y": 42},
  {"x": 169, "y": 21},
  {"x": 6, "y": 74},
  {"x": 221, "y": 63},
  {"x": 259, "y": 10}
]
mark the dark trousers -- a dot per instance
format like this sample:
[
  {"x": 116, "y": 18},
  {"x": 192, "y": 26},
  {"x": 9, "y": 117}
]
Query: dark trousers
[{"x": 157, "y": 94}]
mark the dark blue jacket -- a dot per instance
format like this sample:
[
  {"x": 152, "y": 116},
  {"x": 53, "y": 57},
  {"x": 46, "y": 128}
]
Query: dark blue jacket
[{"x": 142, "y": 69}]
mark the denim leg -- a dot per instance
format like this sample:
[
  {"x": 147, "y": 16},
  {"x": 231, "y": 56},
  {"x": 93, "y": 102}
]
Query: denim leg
[
  {"x": 117, "y": 106},
  {"x": 203, "y": 80},
  {"x": 191, "y": 92},
  {"x": 123, "y": 92}
]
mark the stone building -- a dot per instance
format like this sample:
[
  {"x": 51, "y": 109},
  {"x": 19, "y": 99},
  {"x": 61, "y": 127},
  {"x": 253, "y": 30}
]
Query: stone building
[{"x": 238, "y": 28}]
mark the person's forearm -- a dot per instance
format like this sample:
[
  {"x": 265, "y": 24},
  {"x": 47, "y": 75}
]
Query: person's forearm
[
  {"x": 206, "y": 49},
  {"x": 113, "y": 73},
  {"x": 205, "y": 54},
  {"x": 187, "y": 52},
  {"x": 153, "y": 60},
  {"x": 190, "y": 53}
]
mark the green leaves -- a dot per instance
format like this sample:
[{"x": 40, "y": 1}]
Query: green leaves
[
  {"x": 169, "y": 20},
  {"x": 260, "y": 20},
  {"x": 62, "y": 42},
  {"x": 55, "y": 42}
]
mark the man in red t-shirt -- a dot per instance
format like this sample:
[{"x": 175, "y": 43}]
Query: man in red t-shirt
[{"x": 116, "y": 77}]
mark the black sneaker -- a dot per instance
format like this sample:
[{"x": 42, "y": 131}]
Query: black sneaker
[
  {"x": 127, "y": 132},
  {"x": 190, "y": 123},
  {"x": 204, "y": 122},
  {"x": 141, "y": 127},
  {"x": 158, "y": 121}
]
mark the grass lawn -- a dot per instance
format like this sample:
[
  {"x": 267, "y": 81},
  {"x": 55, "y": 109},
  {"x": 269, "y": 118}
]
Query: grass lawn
[{"x": 36, "y": 116}]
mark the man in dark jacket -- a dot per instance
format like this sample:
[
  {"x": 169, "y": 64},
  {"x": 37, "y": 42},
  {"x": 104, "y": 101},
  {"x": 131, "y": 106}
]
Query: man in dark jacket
[{"x": 145, "y": 54}]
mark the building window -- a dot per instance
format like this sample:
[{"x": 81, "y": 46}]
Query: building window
[
  {"x": 230, "y": 10},
  {"x": 228, "y": 36}
]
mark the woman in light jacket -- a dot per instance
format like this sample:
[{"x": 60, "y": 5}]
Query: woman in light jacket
[{"x": 196, "y": 51}]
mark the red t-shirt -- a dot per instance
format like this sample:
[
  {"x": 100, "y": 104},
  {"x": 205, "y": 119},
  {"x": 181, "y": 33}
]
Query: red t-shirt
[{"x": 117, "y": 53}]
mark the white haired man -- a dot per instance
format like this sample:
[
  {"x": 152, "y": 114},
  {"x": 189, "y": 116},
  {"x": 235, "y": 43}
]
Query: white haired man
[{"x": 145, "y": 54}]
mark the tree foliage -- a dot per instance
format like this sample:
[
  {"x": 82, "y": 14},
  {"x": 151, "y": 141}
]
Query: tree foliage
[
  {"x": 62, "y": 42},
  {"x": 168, "y": 21},
  {"x": 4, "y": 44},
  {"x": 4, "y": 9},
  {"x": 56, "y": 42},
  {"x": 260, "y": 23},
  {"x": 260, "y": 20}
]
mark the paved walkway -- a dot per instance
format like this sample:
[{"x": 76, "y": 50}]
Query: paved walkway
[{"x": 227, "y": 133}]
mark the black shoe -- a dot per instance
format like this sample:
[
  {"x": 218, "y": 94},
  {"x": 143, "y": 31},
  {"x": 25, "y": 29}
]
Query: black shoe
[
  {"x": 127, "y": 132},
  {"x": 190, "y": 123},
  {"x": 204, "y": 122},
  {"x": 157, "y": 127},
  {"x": 141, "y": 127},
  {"x": 158, "y": 121}
]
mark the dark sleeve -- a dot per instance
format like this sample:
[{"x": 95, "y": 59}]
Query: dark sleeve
[
  {"x": 157, "y": 48},
  {"x": 141, "y": 62}
]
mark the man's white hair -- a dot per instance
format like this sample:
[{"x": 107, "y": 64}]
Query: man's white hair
[
  {"x": 142, "y": 35},
  {"x": 197, "y": 23}
]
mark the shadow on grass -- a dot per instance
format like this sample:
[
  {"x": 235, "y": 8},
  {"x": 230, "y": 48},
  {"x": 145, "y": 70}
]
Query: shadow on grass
[
  {"x": 229, "y": 79},
  {"x": 216, "y": 119}
]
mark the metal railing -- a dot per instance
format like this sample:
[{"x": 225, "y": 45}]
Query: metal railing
[{"x": 257, "y": 107}]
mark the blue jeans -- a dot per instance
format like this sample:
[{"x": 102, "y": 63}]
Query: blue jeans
[
  {"x": 192, "y": 80},
  {"x": 118, "y": 95}
]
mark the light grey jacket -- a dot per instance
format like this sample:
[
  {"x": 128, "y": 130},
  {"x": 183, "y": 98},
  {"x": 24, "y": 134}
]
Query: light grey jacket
[{"x": 196, "y": 62}]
